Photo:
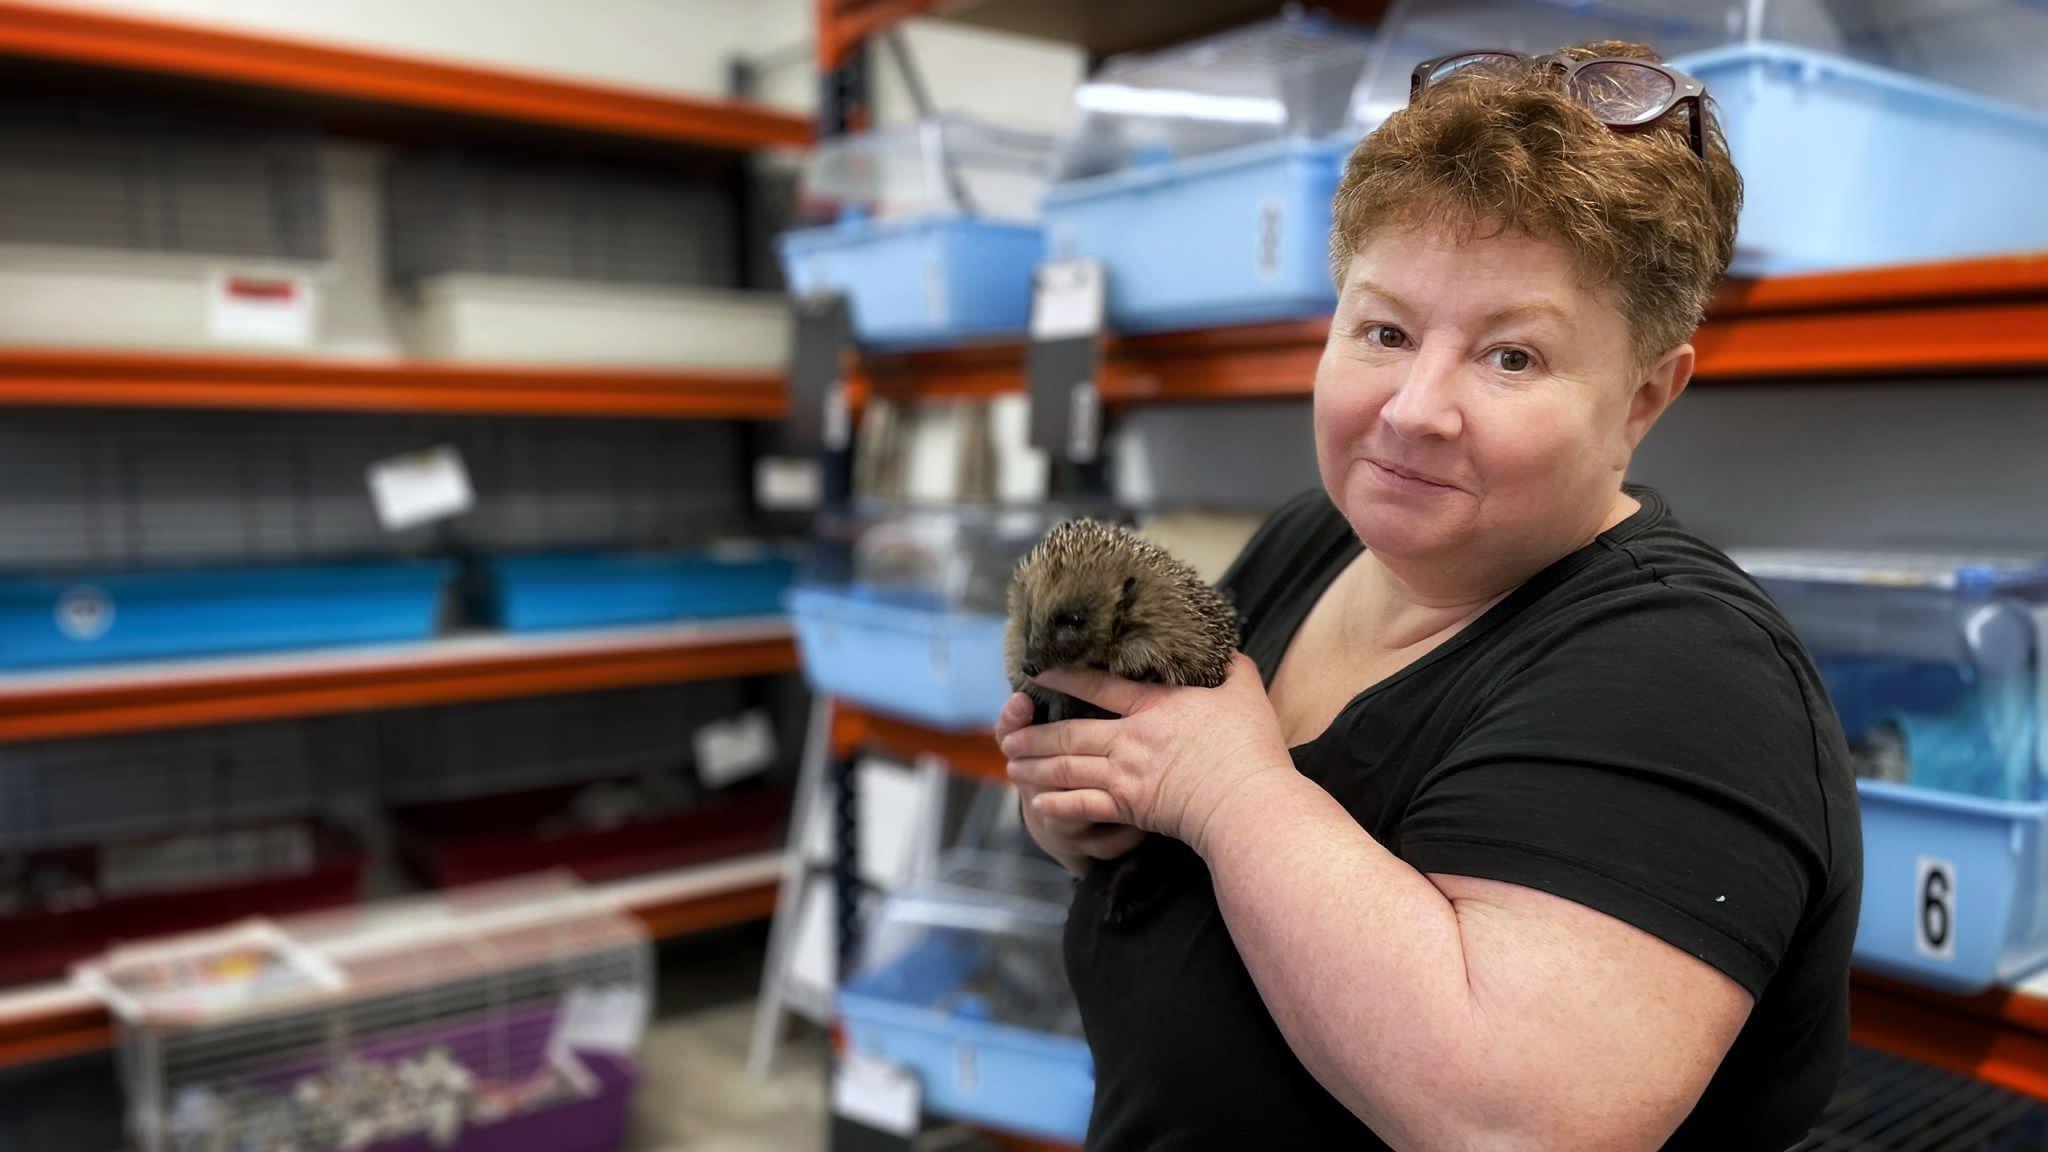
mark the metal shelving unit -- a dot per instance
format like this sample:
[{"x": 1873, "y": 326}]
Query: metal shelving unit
[
  {"x": 1956, "y": 1060},
  {"x": 385, "y": 96}
]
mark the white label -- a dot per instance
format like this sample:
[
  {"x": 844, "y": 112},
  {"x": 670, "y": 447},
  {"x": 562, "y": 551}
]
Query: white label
[
  {"x": 838, "y": 429},
  {"x": 600, "y": 1020},
  {"x": 813, "y": 971},
  {"x": 1269, "y": 239},
  {"x": 936, "y": 312},
  {"x": 1084, "y": 417},
  {"x": 876, "y": 1093},
  {"x": 734, "y": 749},
  {"x": 1934, "y": 909},
  {"x": 84, "y": 613},
  {"x": 420, "y": 487},
  {"x": 1066, "y": 300},
  {"x": 260, "y": 308},
  {"x": 966, "y": 1070},
  {"x": 788, "y": 483}
]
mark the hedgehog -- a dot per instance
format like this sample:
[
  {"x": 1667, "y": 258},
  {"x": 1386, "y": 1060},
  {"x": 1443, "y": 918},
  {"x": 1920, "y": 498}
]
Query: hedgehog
[{"x": 1100, "y": 596}]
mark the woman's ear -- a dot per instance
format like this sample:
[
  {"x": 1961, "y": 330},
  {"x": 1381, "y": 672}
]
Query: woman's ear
[{"x": 1661, "y": 384}]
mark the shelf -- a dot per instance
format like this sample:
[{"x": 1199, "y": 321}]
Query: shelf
[
  {"x": 1012, "y": 1142},
  {"x": 354, "y": 79},
  {"x": 55, "y": 1020},
  {"x": 1969, "y": 317},
  {"x": 50, "y": 705},
  {"x": 48, "y": 377},
  {"x": 970, "y": 754},
  {"x": 1999, "y": 1037},
  {"x": 1097, "y": 28}
]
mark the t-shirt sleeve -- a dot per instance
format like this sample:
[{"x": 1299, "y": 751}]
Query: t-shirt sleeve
[{"x": 1655, "y": 762}]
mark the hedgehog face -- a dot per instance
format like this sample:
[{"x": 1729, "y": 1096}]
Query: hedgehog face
[{"x": 1076, "y": 617}]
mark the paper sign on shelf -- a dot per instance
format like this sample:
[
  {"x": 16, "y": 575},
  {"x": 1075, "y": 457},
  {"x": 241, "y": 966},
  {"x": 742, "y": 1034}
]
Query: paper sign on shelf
[
  {"x": 732, "y": 750},
  {"x": 260, "y": 308},
  {"x": 878, "y": 1094},
  {"x": 420, "y": 488}
]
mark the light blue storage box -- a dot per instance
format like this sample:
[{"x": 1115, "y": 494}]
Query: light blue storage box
[
  {"x": 51, "y": 621},
  {"x": 1935, "y": 666},
  {"x": 1845, "y": 164},
  {"x": 1233, "y": 237},
  {"x": 914, "y": 1015},
  {"x": 907, "y": 657},
  {"x": 937, "y": 234},
  {"x": 963, "y": 983},
  {"x": 916, "y": 283},
  {"x": 606, "y": 589},
  {"x": 1200, "y": 176},
  {"x": 1953, "y": 888}
]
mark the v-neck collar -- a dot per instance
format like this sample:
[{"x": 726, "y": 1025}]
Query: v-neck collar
[{"x": 1347, "y": 548}]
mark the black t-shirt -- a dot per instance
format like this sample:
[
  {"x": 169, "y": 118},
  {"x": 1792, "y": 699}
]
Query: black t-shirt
[{"x": 1635, "y": 729}]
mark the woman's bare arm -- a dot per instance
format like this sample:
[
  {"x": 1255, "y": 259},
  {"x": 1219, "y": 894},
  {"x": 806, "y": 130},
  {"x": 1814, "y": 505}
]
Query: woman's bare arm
[{"x": 1455, "y": 1013}]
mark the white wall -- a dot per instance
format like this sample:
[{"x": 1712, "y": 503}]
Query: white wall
[
  {"x": 666, "y": 45},
  {"x": 678, "y": 46}
]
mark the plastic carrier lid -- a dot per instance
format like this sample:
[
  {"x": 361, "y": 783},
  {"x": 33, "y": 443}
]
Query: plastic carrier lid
[
  {"x": 1961, "y": 572},
  {"x": 1292, "y": 76}
]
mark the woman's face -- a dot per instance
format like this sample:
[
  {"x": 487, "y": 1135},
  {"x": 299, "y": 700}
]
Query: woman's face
[{"x": 1476, "y": 403}]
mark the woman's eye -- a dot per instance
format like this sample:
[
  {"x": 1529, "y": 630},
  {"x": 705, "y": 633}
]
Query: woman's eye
[
  {"x": 1511, "y": 359},
  {"x": 1386, "y": 336}
]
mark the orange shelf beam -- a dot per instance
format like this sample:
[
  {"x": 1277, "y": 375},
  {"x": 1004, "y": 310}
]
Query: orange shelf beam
[
  {"x": 1255, "y": 362},
  {"x": 2000, "y": 1037},
  {"x": 77, "y": 1028},
  {"x": 1012, "y": 1142},
  {"x": 1974, "y": 316},
  {"x": 2019, "y": 276},
  {"x": 69, "y": 1031},
  {"x": 170, "y": 48},
  {"x": 844, "y": 24},
  {"x": 66, "y": 378},
  {"x": 703, "y": 913},
  {"x": 45, "y": 707},
  {"x": 971, "y": 754}
]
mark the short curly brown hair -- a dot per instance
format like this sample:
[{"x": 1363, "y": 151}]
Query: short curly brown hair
[{"x": 1638, "y": 211}]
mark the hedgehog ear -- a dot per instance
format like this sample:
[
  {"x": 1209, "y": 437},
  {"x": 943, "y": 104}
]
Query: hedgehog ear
[{"x": 1125, "y": 598}]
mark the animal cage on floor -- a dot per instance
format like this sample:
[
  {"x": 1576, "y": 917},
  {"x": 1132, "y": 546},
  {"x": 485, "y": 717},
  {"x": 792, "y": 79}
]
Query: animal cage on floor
[{"x": 483, "y": 1021}]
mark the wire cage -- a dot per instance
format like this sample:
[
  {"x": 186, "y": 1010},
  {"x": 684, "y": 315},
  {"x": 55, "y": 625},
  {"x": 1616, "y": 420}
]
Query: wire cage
[{"x": 495, "y": 1018}]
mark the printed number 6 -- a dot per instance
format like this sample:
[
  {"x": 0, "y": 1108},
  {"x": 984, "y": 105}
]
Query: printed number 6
[{"x": 1935, "y": 935}]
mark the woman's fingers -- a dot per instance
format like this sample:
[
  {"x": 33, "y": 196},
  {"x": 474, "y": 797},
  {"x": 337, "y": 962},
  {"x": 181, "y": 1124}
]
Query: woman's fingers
[
  {"x": 1096, "y": 687},
  {"x": 1016, "y": 713},
  {"x": 1060, "y": 773},
  {"x": 1090, "y": 804},
  {"x": 1066, "y": 738},
  {"x": 1109, "y": 841}
]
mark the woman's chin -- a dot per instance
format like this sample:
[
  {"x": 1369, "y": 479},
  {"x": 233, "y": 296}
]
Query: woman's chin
[{"x": 1393, "y": 531}]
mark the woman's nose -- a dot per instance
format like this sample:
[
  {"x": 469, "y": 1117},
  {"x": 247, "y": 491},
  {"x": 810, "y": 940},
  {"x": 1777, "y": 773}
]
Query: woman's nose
[{"x": 1426, "y": 403}]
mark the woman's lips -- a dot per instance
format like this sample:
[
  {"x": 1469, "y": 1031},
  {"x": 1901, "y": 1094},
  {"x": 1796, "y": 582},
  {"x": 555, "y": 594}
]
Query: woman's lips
[{"x": 1401, "y": 479}]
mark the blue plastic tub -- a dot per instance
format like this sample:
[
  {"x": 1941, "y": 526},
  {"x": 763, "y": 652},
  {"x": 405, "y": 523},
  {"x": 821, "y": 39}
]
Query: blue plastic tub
[
  {"x": 911, "y": 660},
  {"x": 610, "y": 589},
  {"x": 1953, "y": 891},
  {"x": 920, "y": 283},
  {"x": 1847, "y": 165},
  {"x": 55, "y": 621},
  {"x": 914, "y": 1015},
  {"x": 1234, "y": 237}
]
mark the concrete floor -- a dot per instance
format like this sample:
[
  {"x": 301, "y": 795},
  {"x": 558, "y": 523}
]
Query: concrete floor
[{"x": 695, "y": 1095}]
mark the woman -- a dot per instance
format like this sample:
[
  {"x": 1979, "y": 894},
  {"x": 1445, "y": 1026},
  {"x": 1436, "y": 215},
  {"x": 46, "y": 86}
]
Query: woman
[{"x": 1523, "y": 821}]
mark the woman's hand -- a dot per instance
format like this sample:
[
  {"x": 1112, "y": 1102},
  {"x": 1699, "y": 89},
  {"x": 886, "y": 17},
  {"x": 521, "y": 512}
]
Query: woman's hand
[
  {"x": 1074, "y": 843},
  {"x": 1175, "y": 758}
]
